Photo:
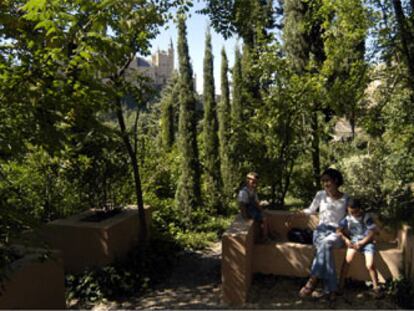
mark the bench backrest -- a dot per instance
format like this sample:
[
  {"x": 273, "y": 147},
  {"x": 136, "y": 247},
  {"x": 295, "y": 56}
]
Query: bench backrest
[{"x": 278, "y": 220}]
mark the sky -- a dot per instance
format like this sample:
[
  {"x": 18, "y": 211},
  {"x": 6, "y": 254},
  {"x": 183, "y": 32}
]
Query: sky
[{"x": 196, "y": 30}]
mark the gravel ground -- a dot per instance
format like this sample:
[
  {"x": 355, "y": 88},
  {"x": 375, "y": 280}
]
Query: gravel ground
[{"x": 195, "y": 284}]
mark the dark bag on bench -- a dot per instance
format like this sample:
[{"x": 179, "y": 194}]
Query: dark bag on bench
[{"x": 302, "y": 236}]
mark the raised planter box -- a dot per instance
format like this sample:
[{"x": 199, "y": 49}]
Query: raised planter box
[
  {"x": 34, "y": 283},
  {"x": 85, "y": 243}
]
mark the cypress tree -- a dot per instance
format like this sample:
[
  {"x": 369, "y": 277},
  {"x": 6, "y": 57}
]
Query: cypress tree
[
  {"x": 224, "y": 120},
  {"x": 211, "y": 143},
  {"x": 237, "y": 143},
  {"x": 188, "y": 189},
  {"x": 303, "y": 37},
  {"x": 237, "y": 107},
  {"x": 169, "y": 112}
]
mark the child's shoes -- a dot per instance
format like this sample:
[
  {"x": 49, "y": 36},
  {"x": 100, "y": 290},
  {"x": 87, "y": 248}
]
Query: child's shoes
[{"x": 377, "y": 293}]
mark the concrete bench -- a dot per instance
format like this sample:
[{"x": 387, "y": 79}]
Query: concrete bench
[{"x": 242, "y": 257}]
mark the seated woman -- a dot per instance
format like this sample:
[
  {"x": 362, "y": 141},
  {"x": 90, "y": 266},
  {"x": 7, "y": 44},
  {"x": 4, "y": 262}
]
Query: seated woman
[{"x": 330, "y": 204}]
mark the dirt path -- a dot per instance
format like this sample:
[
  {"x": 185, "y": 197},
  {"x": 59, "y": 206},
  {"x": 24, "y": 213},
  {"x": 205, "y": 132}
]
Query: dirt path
[{"x": 195, "y": 284}]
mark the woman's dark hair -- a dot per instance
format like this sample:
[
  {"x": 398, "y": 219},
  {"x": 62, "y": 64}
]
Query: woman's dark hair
[
  {"x": 335, "y": 175},
  {"x": 354, "y": 203}
]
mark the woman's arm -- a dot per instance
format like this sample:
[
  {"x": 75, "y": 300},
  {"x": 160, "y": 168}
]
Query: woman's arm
[
  {"x": 341, "y": 231},
  {"x": 305, "y": 212},
  {"x": 312, "y": 209}
]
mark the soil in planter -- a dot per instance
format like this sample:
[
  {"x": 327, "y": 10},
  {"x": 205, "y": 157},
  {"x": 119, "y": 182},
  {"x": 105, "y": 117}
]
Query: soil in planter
[{"x": 102, "y": 215}]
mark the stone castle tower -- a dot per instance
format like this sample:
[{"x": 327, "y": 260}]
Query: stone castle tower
[
  {"x": 160, "y": 68},
  {"x": 163, "y": 64}
]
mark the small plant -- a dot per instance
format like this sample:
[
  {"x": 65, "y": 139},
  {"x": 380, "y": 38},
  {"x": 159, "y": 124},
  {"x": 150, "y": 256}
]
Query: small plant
[
  {"x": 144, "y": 267},
  {"x": 402, "y": 292}
]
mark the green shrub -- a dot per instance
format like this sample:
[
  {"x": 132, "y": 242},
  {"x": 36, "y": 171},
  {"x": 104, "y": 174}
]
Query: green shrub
[
  {"x": 371, "y": 178},
  {"x": 142, "y": 268},
  {"x": 301, "y": 186},
  {"x": 402, "y": 292}
]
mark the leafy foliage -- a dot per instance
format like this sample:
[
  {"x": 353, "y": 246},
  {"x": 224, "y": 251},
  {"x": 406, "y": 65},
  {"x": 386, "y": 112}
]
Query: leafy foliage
[
  {"x": 402, "y": 291},
  {"x": 144, "y": 267},
  {"x": 245, "y": 19},
  {"x": 67, "y": 141},
  {"x": 71, "y": 59}
]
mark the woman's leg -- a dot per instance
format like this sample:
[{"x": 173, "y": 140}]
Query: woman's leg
[
  {"x": 332, "y": 241},
  {"x": 309, "y": 287},
  {"x": 318, "y": 263},
  {"x": 317, "y": 268},
  {"x": 323, "y": 265}
]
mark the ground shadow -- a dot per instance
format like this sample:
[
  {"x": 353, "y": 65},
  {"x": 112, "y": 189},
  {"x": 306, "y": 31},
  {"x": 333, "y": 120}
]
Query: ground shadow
[
  {"x": 274, "y": 292},
  {"x": 195, "y": 283}
]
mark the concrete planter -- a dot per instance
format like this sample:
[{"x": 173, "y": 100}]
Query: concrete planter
[
  {"x": 34, "y": 283},
  {"x": 86, "y": 244}
]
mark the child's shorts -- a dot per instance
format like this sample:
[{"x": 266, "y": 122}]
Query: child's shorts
[
  {"x": 368, "y": 248},
  {"x": 254, "y": 213}
]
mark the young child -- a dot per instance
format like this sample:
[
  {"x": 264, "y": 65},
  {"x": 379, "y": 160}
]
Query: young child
[
  {"x": 250, "y": 206},
  {"x": 357, "y": 229}
]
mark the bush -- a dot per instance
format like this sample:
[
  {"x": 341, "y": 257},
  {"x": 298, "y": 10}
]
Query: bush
[
  {"x": 203, "y": 229},
  {"x": 371, "y": 178},
  {"x": 143, "y": 267},
  {"x": 302, "y": 184},
  {"x": 366, "y": 179},
  {"x": 402, "y": 292},
  {"x": 39, "y": 187}
]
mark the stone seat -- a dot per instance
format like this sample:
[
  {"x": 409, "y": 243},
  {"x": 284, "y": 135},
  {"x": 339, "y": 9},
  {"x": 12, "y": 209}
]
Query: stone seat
[{"x": 242, "y": 257}]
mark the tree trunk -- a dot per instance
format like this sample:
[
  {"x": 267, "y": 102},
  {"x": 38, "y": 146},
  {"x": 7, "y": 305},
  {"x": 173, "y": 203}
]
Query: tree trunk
[
  {"x": 315, "y": 150},
  {"x": 273, "y": 193},
  {"x": 352, "y": 122},
  {"x": 143, "y": 234},
  {"x": 406, "y": 40}
]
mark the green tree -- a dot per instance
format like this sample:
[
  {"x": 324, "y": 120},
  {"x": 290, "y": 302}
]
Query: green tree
[
  {"x": 188, "y": 195},
  {"x": 278, "y": 125},
  {"x": 169, "y": 112},
  {"x": 303, "y": 37},
  {"x": 237, "y": 141},
  {"x": 210, "y": 129},
  {"x": 74, "y": 68},
  {"x": 237, "y": 99},
  {"x": 345, "y": 67},
  {"x": 242, "y": 18},
  {"x": 406, "y": 38},
  {"x": 224, "y": 126}
]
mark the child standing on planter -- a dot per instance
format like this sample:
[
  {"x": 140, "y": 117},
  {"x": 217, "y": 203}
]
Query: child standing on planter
[{"x": 357, "y": 229}]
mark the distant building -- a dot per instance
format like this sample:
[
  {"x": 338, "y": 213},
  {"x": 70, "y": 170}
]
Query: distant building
[
  {"x": 160, "y": 68},
  {"x": 343, "y": 131}
]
